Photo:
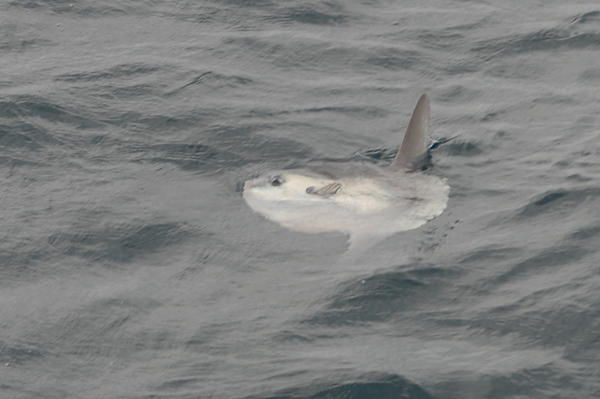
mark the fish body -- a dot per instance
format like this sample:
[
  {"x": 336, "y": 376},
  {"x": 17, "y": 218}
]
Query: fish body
[{"x": 365, "y": 201}]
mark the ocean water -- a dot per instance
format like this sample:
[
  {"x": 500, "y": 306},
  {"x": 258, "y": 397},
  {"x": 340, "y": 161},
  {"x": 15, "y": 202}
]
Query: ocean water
[{"x": 132, "y": 268}]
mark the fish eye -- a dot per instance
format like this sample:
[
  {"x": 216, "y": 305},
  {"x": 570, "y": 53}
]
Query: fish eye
[{"x": 277, "y": 180}]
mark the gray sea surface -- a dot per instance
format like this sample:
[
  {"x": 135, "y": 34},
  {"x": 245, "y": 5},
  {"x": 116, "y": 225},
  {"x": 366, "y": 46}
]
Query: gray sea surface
[{"x": 130, "y": 266}]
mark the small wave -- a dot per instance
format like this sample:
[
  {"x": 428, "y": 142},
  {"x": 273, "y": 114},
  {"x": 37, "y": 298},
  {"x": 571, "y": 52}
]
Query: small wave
[
  {"x": 460, "y": 148},
  {"x": 213, "y": 81},
  {"x": 29, "y": 106},
  {"x": 556, "y": 257},
  {"x": 119, "y": 244},
  {"x": 19, "y": 354},
  {"x": 115, "y": 72},
  {"x": 16, "y": 37},
  {"x": 586, "y": 17},
  {"x": 590, "y": 76},
  {"x": 105, "y": 322},
  {"x": 366, "y": 112},
  {"x": 489, "y": 254},
  {"x": 394, "y": 59},
  {"x": 380, "y": 297},
  {"x": 544, "y": 40},
  {"x": 557, "y": 201},
  {"x": 586, "y": 233},
  {"x": 312, "y": 15},
  {"x": 370, "y": 386},
  {"x": 25, "y": 135},
  {"x": 187, "y": 156},
  {"x": 309, "y": 53}
]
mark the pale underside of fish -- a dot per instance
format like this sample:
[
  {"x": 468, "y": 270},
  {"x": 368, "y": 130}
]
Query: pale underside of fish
[{"x": 363, "y": 200}]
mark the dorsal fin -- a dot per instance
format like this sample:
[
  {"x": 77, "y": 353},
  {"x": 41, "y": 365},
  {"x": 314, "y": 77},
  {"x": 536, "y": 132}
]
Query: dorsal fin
[{"x": 413, "y": 151}]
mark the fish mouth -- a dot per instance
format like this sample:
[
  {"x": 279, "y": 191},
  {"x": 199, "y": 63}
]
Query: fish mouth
[
  {"x": 254, "y": 181},
  {"x": 248, "y": 184}
]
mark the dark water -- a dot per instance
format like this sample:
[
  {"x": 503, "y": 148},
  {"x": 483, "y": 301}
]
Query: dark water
[{"x": 132, "y": 268}]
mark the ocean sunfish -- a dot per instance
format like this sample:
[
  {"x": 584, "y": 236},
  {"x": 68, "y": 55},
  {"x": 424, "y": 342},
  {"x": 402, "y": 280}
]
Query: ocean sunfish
[{"x": 365, "y": 201}]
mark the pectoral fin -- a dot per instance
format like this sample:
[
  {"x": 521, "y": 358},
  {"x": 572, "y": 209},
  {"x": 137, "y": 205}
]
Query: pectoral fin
[{"x": 324, "y": 191}]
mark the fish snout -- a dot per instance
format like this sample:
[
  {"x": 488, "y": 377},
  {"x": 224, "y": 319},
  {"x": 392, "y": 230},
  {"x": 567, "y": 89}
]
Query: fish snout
[
  {"x": 249, "y": 184},
  {"x": 246, "y": 186}
]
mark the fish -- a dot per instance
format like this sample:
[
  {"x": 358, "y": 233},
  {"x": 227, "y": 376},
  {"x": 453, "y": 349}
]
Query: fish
[{"x": 366, "y": 202}]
